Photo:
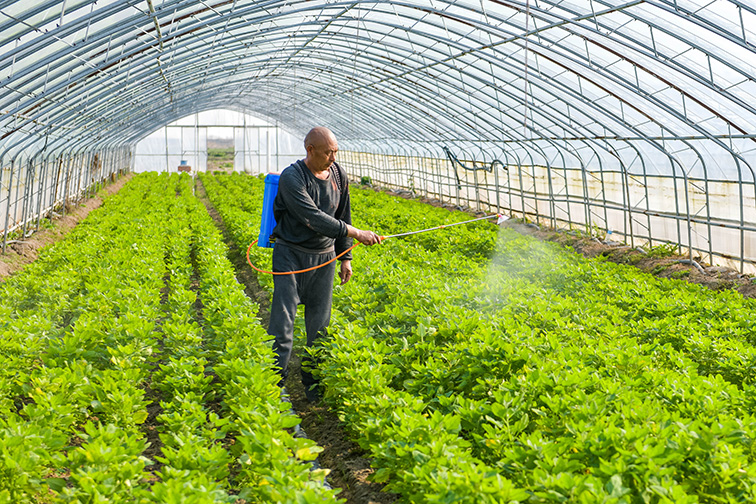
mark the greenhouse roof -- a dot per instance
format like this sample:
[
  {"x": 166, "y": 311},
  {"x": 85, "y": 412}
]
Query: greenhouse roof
[{"x": 663, "y": 83}]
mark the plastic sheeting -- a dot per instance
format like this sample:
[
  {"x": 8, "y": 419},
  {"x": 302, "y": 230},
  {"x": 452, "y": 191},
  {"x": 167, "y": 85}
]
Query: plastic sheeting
[
  {"x": 643, "y": 88},
  {"x": 112, "y": 71}
]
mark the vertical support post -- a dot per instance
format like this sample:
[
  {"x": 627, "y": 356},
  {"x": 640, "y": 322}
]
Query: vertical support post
[
  {"x": 627, "y": 210},
  {"x": 278, "y": 146},
  {"x": 522, "y": 190},
  {"x": 89, "y": 179},
  {"x": 54, "y": 189},
  {"x": 648, "y": 202},
  {"x": 677, "y": 204},
  {"x": 18, "y": 191},
  {"x": 603, "y": 198},
  {"x": 267, "y": 149},
  {"x": 1, "y": 188},
  {"x": 477, "y": 189},
  {"x": 565, "y": 175},
  {"x": 28, "y": 195},
  {"x": 42, "y": 185},
  {"x": 69, "y": 161},
  {"x": 167, "y": 165},
  {"x": 439, "y": 186},
  {"x": 586, "y": 199},
  {"x": 81, "y": 163},
  {"x": 495, "y": 169},
  {"x": 259, "y": 149},
  {"x": 8, "y": 205}
]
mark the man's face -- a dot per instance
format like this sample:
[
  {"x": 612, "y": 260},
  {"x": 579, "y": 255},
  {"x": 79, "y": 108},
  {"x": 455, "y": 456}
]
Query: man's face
[{"x": 323, "y": 153}]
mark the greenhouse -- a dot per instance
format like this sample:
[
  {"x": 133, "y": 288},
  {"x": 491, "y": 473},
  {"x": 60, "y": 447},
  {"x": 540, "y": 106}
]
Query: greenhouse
[{"x": 553, "y": 300}]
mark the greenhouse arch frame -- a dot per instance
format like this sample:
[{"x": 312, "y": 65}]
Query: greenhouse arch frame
[{"x": 636, "y": 117}]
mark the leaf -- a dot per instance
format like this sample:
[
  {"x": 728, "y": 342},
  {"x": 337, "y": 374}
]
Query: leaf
[
  {"x": 140, "y": 416},
  {"x": 381, "y": 475},
  {"x": 308, "y": 452},
  {"x": 452, "y": 423},
  {"x": 56, "y": 484},
  {"x": 290, "y": 421},
  {"x": 615, "y": 487}
]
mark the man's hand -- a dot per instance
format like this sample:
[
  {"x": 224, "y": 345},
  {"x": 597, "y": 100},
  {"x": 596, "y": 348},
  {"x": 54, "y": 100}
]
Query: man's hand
[
  {"x": 362, "y": 236},
  {"x": 346, "y": 271}
]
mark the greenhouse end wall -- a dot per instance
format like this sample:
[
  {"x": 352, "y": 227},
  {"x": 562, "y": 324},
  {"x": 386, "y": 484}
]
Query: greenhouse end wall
[{"x": 715, "y": 218}]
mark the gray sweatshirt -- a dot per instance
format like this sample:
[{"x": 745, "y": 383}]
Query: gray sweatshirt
[{"x": 312, "y": 214}]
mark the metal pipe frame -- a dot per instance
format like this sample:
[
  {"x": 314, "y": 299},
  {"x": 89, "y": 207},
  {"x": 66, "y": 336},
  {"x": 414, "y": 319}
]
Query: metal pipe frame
[{"x": 424, "y": 74}]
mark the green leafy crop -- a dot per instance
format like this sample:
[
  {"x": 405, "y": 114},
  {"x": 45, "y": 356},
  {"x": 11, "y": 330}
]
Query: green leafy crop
[
  {"x": 479, "y": 365},
  {"x": 135, "y": 322}
]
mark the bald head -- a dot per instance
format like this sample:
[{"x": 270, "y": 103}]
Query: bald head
[
  {"x": 318, "y": 135},
  {"x": 321, "y": 147}
]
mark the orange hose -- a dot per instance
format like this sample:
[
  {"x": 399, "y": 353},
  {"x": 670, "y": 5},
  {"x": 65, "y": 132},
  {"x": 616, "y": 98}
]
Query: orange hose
[
  {"x": 294, "y": 272},
  {"x": 380, "y": 240}
]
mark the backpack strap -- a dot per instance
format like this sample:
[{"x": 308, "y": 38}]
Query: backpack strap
[{"x": 336, "y": 171}]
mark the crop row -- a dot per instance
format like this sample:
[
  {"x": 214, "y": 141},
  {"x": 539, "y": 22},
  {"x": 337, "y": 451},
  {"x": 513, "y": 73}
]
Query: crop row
[
  {"x": 478, "y": 365},
  {"x": 74, "y": 348},
  {"x": 238, "y": 199},
  {"x": 539, "y": 358},
  {"x": 138, "y": 311}
]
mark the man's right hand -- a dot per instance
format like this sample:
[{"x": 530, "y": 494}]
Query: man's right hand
[{"x": 363, "y": 236}]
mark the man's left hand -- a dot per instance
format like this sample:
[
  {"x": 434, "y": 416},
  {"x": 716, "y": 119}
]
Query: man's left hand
[{"x": 346, "y": 271}]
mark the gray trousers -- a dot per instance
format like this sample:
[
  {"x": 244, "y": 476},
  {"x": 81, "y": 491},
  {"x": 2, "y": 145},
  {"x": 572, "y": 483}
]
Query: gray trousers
[{"x": 313, "y": 289}]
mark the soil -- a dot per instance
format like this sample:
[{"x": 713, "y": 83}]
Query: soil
[
  {"x": 150, "y": 430},
  {"x": 26, "y": 251}
]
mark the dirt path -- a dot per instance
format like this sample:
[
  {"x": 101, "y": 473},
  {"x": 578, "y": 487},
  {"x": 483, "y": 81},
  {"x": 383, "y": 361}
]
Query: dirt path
[
  {"x": 349, "y": 464},
  {"x": 21, "y": 253}
]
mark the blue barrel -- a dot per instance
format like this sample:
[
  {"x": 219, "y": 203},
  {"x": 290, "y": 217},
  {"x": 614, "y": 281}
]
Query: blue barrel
[{"x": 268, "y": 221}]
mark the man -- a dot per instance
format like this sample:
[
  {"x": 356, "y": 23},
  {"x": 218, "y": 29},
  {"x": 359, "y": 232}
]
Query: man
[{"x": 313, "y": 225}]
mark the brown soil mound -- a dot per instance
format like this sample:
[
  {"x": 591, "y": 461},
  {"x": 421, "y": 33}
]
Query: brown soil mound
[{"x": 23, "y": 252}]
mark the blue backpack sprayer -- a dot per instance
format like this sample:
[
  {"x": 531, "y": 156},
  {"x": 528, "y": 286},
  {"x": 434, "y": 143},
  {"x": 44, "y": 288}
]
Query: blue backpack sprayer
[{"x": 269, "y": 223}]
